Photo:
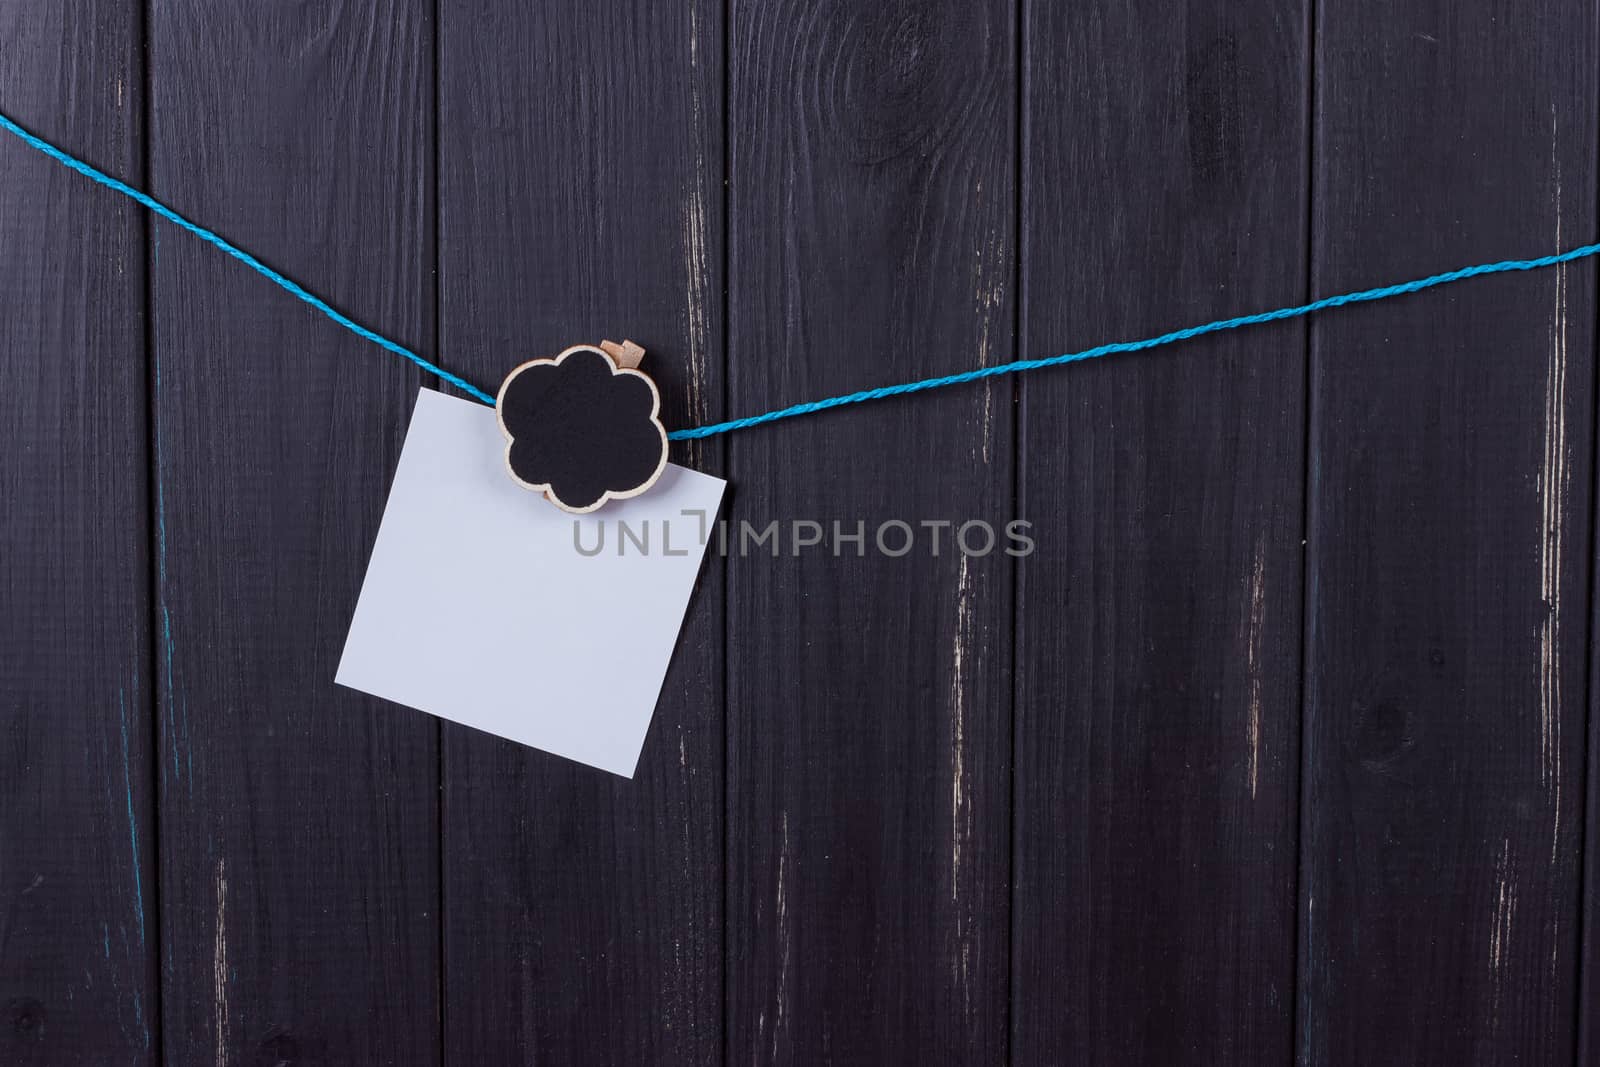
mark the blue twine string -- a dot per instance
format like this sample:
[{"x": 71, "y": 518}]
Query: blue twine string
[
  {"x": 288, "y": 285},
  {"x": 810, "y": 407},
  {"x": 1299, "y": 310}
]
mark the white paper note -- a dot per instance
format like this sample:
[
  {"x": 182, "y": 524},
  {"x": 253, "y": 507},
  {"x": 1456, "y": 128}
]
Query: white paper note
[{"x": 481, "y": 604}]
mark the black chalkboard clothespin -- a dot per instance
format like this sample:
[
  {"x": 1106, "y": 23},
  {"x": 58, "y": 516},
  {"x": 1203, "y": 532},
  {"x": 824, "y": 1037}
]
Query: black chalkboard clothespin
[{"x": 583, "y": 428}]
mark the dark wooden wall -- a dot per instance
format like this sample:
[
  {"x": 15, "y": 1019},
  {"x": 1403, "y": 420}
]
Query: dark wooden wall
[{"x": 1275, "y": 750}]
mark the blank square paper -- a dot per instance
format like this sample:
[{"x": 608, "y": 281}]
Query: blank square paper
[{"x": 486, "y": 605}]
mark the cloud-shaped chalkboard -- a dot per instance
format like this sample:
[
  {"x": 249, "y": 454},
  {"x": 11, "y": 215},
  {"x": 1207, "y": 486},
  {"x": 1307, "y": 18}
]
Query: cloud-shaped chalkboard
[{"x": 581, "y": 430}]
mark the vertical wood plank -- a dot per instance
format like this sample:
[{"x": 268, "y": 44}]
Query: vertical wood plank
[
  {"x": 1159, "y": 637},
  {"x": 298, "y": 821},
  {"x": 1448, "y": 525},
  {"x": 78, "y": 924},
  {"x": 580, "y": 170},
  {"x": 871, "y": 241}
]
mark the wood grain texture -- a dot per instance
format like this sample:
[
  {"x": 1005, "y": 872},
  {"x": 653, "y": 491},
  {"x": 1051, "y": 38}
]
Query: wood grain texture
[
  {"x": 871, "y": 241},
  {"x": 856, "y": 835},
  {"x": 298, "y": 820},
  {"x": 1159, "y": 631},
  {"x": 78, "y": 925},
  {"x": 580, "y": 165},
  {"x": 1448, "y": 531}
]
